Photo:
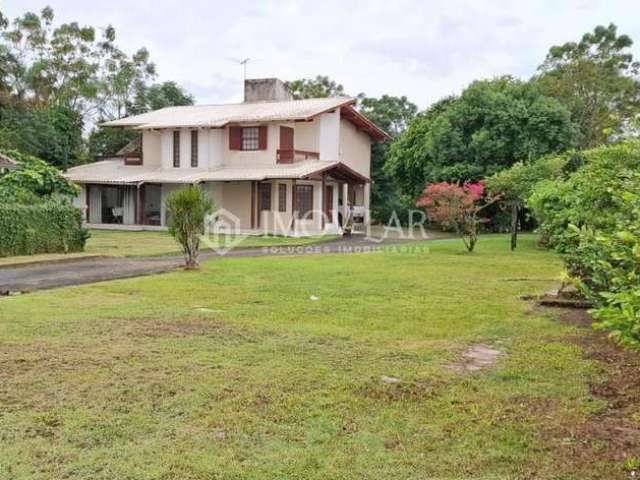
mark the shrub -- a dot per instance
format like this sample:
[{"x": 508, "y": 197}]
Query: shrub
[
  {"x": 593, "y": 219},
  {"x": 187, "y": 209},
  {"x": 35, "y": 177},
  {"x": 456, "y": 208},
  {"x": 52, "y": 226},
  {"x": 590, "y": 197}
]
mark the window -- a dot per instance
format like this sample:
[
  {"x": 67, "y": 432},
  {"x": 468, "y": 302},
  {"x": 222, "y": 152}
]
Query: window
[
  {"x": 282, "y": 197},
  {"x": 304, "y": 201},
  {"x": 265, "y": 196},
  {"x": 176, "y": 149},
  {"x": 251, "y": 138},
  {"x": 194, "y": 148}
]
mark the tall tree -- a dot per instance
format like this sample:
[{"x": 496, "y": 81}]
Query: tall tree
[
  {"x": 105, "y": 142},
  {"x": 57, "y": 65},
  {"x": 55, "y": 79},
  {"x": 597, "y": 79},
  {"x": 492, "y": 125},
  {"x": 51, "y": 133},
  {"x": 318, "y": 87},
  {"x": 160, "y": 95},
  {"x": 393, "y": 115}
]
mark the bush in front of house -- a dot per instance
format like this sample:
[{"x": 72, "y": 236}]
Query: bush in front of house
[
  {"x": 50, "y": 226},
  {"x": 186, "y": 211},
  {"x": 36, "y": 214}
]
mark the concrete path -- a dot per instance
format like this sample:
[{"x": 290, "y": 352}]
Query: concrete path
[{"x": 79, "y": 271}]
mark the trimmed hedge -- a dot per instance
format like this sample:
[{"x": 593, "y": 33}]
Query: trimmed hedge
[{"x": 53, "y": 226}]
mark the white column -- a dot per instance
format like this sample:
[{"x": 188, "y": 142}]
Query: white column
[
  {"x": 345, "y": 201},
  {"x": 95, "y": 204},
  {"x": 129, "y": 206},
  {"x": 367, "y": 203}
]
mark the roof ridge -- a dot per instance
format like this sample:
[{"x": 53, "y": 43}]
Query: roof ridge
[{"x": 260, "y": 102}]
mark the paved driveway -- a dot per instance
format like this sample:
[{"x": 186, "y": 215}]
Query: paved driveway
[{"x": 88, "y": 270}]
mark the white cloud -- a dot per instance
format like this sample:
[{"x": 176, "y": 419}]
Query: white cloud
[{"x": 424, "y": 50}]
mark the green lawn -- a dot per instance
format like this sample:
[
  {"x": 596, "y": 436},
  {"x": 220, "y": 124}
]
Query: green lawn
[
  {"x": 234, "y": 372},
  {"x": 153, "y": 243},
  {"x": 150, "y": 243}
]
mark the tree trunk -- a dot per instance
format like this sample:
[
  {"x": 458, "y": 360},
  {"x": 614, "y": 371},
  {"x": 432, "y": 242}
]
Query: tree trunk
[
  {"x": 514, "y": 225},
  {"x": 191, "y": 254}
]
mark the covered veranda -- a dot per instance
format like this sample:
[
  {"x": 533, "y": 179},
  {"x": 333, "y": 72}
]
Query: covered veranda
[{"x": 286, "y": 201}]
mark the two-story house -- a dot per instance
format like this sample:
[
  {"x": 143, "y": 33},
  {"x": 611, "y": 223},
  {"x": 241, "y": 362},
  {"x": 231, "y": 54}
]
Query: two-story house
[{"x": 277, "y": 165}]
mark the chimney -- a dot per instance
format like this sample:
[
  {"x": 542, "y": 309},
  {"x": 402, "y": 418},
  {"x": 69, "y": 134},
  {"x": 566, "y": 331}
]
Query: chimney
[{"x": 266, "y": 89}]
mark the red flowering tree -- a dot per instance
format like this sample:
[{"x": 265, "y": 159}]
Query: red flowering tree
[{"x": 456, "y": 207}]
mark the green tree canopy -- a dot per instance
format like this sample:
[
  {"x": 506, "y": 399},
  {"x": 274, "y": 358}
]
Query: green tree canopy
[
  {"x": 159, "y": 95},
  {"x": 490, "y": 126},
  {"x": 105, "y": 142},
  {"x": 67, "y": 65},
  {"x": 34, "y": 180},
  {"x": 393, "y": 115},
  {"x": 318, "y": 87},
  {"x": 57, "y": 78},
  {"x": 597, "y": 79},
  {"x": 53, "y": 134}
]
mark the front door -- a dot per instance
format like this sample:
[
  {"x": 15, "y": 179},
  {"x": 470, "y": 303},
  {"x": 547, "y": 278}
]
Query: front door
[{"x": 328, "y": 202}]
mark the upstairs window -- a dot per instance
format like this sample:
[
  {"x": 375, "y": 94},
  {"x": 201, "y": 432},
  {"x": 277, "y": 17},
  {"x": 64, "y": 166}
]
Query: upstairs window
[
  {"x": 250, "y": 138},
  {"x": 194, "y": 148},
  {"x": 265, "y": 196},
  {"x": 176, "y": 149}
]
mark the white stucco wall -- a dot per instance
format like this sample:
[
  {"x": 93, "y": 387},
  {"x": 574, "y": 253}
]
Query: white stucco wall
[
  {"x": 210, "y": 148},
  {"x": 329, "y": 136},
  {"x": 215, "y": 144},
  {"x": 355, "y": 148},
  {"x": 166, "y": 149},
  {"x": 306, "y": 136},
  {"x": 151, "y": 148},
  {"x": 236, "y": 198}
]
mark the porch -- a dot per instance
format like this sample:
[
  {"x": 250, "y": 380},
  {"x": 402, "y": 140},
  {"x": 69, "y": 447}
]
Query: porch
[{"x": 299, "y": 207}]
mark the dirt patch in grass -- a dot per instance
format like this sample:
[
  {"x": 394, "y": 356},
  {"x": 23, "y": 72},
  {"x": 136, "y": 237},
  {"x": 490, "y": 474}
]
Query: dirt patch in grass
[
  {"x": 476, "y": 357},
  {"x": 612, "y": 433},
  {"x": 189, "y": 326},
  {"x": 384, "y": 390},
  {"x": 183, "y": 328}
]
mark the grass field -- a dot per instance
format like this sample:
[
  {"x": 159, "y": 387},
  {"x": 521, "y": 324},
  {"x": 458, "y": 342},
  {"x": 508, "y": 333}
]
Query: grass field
[
  {"x": 235, "y": 372},
  {"x": 152, "y": 243}
]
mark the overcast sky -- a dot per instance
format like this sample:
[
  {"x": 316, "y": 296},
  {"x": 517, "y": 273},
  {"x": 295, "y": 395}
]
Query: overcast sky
[{"x": 424, "y": 50}]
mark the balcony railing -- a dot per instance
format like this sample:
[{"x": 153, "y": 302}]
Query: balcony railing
[{"x": 291, "y": 156}]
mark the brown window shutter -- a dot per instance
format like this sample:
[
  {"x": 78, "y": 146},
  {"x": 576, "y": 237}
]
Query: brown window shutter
[
  {"x": 262, "y": 139},
  {"x": 235, "y": 138}
]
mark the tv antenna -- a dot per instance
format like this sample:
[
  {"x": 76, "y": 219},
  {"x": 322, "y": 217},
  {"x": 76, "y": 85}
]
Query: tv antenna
[{"x": 242, "y": 62}]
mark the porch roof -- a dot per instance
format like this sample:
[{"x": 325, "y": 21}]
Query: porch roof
[{"x": 113, "y": 171}]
